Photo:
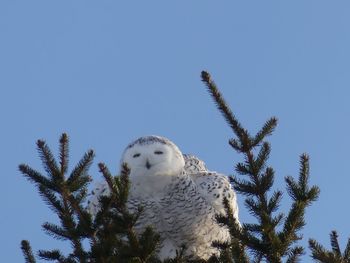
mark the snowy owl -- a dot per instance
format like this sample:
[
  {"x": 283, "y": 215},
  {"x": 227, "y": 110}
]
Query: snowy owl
[{"x": 180, "y": 197}]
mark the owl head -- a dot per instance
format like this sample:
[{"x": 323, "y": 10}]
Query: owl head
[{"x": 153, "y": 156}]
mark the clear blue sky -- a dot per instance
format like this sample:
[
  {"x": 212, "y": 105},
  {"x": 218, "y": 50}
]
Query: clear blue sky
[{"x": 107, "y": 72}]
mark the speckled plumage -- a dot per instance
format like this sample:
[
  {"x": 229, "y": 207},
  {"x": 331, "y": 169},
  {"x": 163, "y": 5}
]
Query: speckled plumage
[{"x": 179, "y": 195}]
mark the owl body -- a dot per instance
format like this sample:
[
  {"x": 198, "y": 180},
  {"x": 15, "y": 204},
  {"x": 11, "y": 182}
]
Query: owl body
[{"x": 179, "y": 196}]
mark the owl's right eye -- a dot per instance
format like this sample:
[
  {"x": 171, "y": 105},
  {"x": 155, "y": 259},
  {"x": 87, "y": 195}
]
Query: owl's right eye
[{"x": 136, "y": 155}]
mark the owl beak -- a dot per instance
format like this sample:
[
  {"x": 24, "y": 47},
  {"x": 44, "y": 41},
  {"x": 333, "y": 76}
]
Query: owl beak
[{"x": 148, "y": 165}]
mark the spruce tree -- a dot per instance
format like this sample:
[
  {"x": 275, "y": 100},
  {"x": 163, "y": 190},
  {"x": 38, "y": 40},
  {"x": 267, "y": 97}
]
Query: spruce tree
[
  {"x": 321, "y": 254},
  {"x": 263, "y": 239},
  {"x": 272, "y": 238},
  {"x": 110, "y": 234}
]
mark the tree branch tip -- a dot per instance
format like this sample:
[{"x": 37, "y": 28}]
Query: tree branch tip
[
  {"x": 25, "y": 243},
  {"x": 334, "y": 233},
  {"x": 102, "y": 166},
  {"x": 64, "y": 138},
  {"x": 304, "y": 157},
  {"x": 274, "y": 119},
  {"x": 205, "y": 76},
  {"x": 40, "y": 143}
]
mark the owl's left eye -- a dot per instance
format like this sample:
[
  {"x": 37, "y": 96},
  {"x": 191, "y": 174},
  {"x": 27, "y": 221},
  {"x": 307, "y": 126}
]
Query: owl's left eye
[{"x": 158, "y": 152}]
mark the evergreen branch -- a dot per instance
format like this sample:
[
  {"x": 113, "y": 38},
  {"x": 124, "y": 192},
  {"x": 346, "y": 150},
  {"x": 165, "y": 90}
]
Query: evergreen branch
[
  {"x": 253, "y": 206},
  {"x": 294, "y": 254},
  {"x": 237, "y": 248},
  {"x": 347, "y": 251},
  {"x": 243, "y": 169},
  {"x": 292, "y": 188},
  {"x": 79, "y": 175},
  {"x": 313, "y": 194},
  {"x": 265, "y": 182},
  {"x": 84, "y": 222},
  {"x": 244, "y": 187},
  {"x": 131, "y": 248},
  {"x": 51, "y": 255},
  {"x": 252, "y": 228},
  {"x": 56, "y": 231},
  {"x": 235, "y": 144},
  {"x": 319, "y": 253},
  {"x": 124, "y": 184},
  {"x": 302, "y": 196},
  {"x": 266, "y": 130},
  {"x": 304, "y": 172},
  {"x": 149, "y": 242},
  {"x": 27, "y": 252},
  {"x": 119, "y": 185},
  {"x": 276, "y": 220},
  {"x": 274, "y": 201},
  {"x": 222, "y": 106},
  {"x": 64, "y": 153},
  {"x": 335, "y": 243},
  {"x": 238, "y": 252},
  {"x": 262, "y": 157},
  {"x": 51, "y": 199},
  {"x": 48, "y": 161},
  {"x": 36, "y": 177},
  {"x": 56, "y": 193},
  {"x": 294, "y": 222},
  {"x": 78, "y": 184},
  {"x": 107, "y": 175},
  {"x": 68, "y": 222},
  {"x": 106, "y": 215}
]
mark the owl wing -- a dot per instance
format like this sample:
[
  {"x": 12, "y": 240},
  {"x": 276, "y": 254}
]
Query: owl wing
[
  {"x": 194, "y": 165},
  {"x": 214, "y": 187}
]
